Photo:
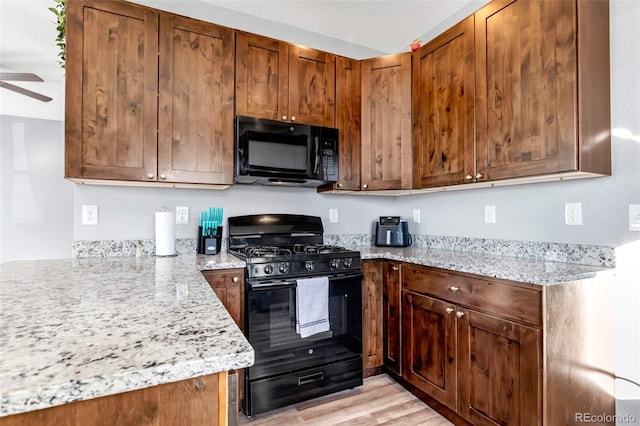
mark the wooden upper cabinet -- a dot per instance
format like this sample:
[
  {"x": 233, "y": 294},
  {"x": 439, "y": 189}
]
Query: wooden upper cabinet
[
  {"x": 348, "y": 105},
  {"x": 443, "y": 109},
  {"x": 195, "y": 139},
  {"x": 542, "y": 88},
  {"x": 312, "y": 86},
  {"x": 111, "y": 90},
  {"x": 262, "y": 76},
  {"x": 386, "y": 123},
  {"x": 279, "y": 81}
]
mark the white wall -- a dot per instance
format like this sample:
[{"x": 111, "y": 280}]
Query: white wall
[{"x": 36, "y": 217}]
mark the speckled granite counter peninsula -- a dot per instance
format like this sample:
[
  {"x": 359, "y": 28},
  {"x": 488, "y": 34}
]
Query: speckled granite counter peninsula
[
  {"x": 518, "y": 269},
  {"x": 77, "y": 329}
]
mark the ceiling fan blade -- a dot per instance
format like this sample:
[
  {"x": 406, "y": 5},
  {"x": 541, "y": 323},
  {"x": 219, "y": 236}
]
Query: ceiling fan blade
[
  {"x": 19, "y": 76},
  {"x": 25, "y": 92}
]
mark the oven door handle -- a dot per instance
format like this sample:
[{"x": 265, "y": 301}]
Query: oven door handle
[{"x": 272, "y": 285}]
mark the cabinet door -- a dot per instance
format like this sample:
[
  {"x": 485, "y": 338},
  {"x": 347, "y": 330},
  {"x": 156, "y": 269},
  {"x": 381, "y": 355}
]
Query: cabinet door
[
  {"x": 372, "y": 314},
  {"x": 229, "y": 287},
  {"x": 262, "y": 77},
  {"x": 429, "y": 346},
  {"x": 392, "y": 330},
  {"x": 111, "y": 93},
  {"x": 499, "y": 371},
  {"x": 444, "y": 145},
  {"x": 526, "y": 88},
  {"x": 312, "y": 86},
  {"x": 195, "y": 142},
  {"x": 386, "y": 123},
  {"x": 348, "y": 104}
]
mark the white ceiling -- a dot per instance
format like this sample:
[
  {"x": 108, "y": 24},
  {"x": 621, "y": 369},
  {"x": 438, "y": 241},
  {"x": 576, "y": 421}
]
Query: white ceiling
[{"x": 353, "y": 28}]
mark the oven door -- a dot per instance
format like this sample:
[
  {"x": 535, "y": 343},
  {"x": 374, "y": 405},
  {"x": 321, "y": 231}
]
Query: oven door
[
  {"x": 271, "y": 326},
  {"x": 289, "y": 368}
]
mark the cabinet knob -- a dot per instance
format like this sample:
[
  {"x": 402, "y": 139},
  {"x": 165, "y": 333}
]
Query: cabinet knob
[
  {"x": 468, "y": 177},
  {"x": 163, "y": 176},
  {"x": 340, "y": 185},
  {"x": 199, "y": 384},
  {"x": 293, "y": 118},
  {"x": 235, "y": 279},
  {"x": 459, "y": 314},
  {"x": 365, "y": 186},
  {"x": 150, "y": 176},
  {"x": 479, "y": 176},
  {"x": 449, "y": 310},
  {"x": 395, "y": 268},
  {"x": 454, "y": 289},
  {"x": 284, "y": 117}
]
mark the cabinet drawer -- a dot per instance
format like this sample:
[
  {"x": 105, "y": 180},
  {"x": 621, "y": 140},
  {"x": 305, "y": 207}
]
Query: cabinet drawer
[{"x": 509, "y": 301}]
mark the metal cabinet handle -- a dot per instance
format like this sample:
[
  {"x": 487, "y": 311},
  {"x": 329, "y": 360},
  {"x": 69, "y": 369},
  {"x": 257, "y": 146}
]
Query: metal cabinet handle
[
  {"x": 163, "y": 176},
  {"x": 459, "y": 314},
  {"x": 235, "y": 279},
  {"x": 293, "y": 118},
  {"x": 395, "y": 268},
  {"x": 449, "y": 310},
  {"x": 365, "y": 186},
  {"x": 468, "y": 177},
  {"x": 150, "y": 176},
  {"x": 284, "y": 117},
  {"x": 453, "y": 289},
  {"x": 479, "y": 176},
  {"x": 340, "y": 185},
  {"x": 199, "y": 384}
]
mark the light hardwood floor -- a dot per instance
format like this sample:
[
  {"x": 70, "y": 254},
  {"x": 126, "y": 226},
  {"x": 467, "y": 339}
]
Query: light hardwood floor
[{"x": 381, "y": 401}]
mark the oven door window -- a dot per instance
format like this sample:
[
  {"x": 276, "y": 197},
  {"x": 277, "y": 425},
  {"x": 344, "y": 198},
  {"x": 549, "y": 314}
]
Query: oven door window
[
  {"x": 272, "y": 329},
  {"x": 278, "y": 153}
]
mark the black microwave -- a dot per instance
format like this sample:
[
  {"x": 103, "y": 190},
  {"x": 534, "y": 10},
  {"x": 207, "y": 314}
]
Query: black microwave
[{"x": 269, "y": 152}]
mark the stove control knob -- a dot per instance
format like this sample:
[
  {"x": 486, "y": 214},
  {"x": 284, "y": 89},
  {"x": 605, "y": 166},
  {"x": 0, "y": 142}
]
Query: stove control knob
[
  {"x": 347, "y": 262},
  {"x": 268, "y": 269},
  {"x": 335, "y": 263},
  {"x": 283, "y": 268},
  {"x": 309, "y": 265}
]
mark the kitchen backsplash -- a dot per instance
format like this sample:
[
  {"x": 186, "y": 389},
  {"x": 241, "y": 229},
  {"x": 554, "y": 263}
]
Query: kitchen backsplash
[{"x": 557, "y": 252}]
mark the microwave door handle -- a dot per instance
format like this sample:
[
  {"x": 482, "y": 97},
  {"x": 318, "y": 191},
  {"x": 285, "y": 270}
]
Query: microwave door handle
[{"x": 317, "y": 157}]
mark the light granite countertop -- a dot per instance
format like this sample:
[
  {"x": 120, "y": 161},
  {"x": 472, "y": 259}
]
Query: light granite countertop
[
  {"x": 77, "y": 329},
  {"x": 539, "y": 272}
]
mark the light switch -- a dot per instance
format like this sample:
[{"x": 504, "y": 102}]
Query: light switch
[
  {"x": 489, "y": 214},
  {"x": 333, "y": 215}
]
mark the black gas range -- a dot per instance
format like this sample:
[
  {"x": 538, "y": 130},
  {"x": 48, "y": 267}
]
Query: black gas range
[{"x": 283, "y": 252}]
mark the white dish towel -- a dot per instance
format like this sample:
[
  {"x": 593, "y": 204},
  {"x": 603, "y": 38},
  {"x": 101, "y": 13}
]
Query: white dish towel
[{"x": 312, "y": 306}]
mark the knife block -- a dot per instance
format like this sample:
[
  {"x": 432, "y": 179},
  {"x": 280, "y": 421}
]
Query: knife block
[{"x": 209, "y": 244}]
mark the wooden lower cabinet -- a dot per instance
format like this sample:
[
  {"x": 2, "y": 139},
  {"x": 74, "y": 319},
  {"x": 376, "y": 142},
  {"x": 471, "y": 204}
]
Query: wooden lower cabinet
[
  {"x": 228, "y": 284},
  {"x": 371, "y": 316},
  {"x": 198, "y": 402},
  {"x": 499, "y": 352},
  {"x": 499, "y": 370},
  {"x": 391, "y": 316}
]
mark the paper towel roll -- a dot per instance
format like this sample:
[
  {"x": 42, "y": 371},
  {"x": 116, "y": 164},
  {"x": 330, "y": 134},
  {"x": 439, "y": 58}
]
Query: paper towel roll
[{"x": 165, "y": 234}]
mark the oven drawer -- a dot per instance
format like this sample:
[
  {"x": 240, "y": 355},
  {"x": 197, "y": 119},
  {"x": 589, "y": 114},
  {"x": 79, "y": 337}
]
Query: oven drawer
[{"x": 268, "y": 394}]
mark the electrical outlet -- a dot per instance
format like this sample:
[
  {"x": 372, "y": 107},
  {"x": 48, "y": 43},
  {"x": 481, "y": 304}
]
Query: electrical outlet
[
  {"x": 416, "y": 215},
  {"x": 333, "y": 215},
  {"x": 573, "y": 214},
  {"x": 489, "y": 214},
  {"x": 89, "y": 215},
  {"x": 182, "y": 215}
]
